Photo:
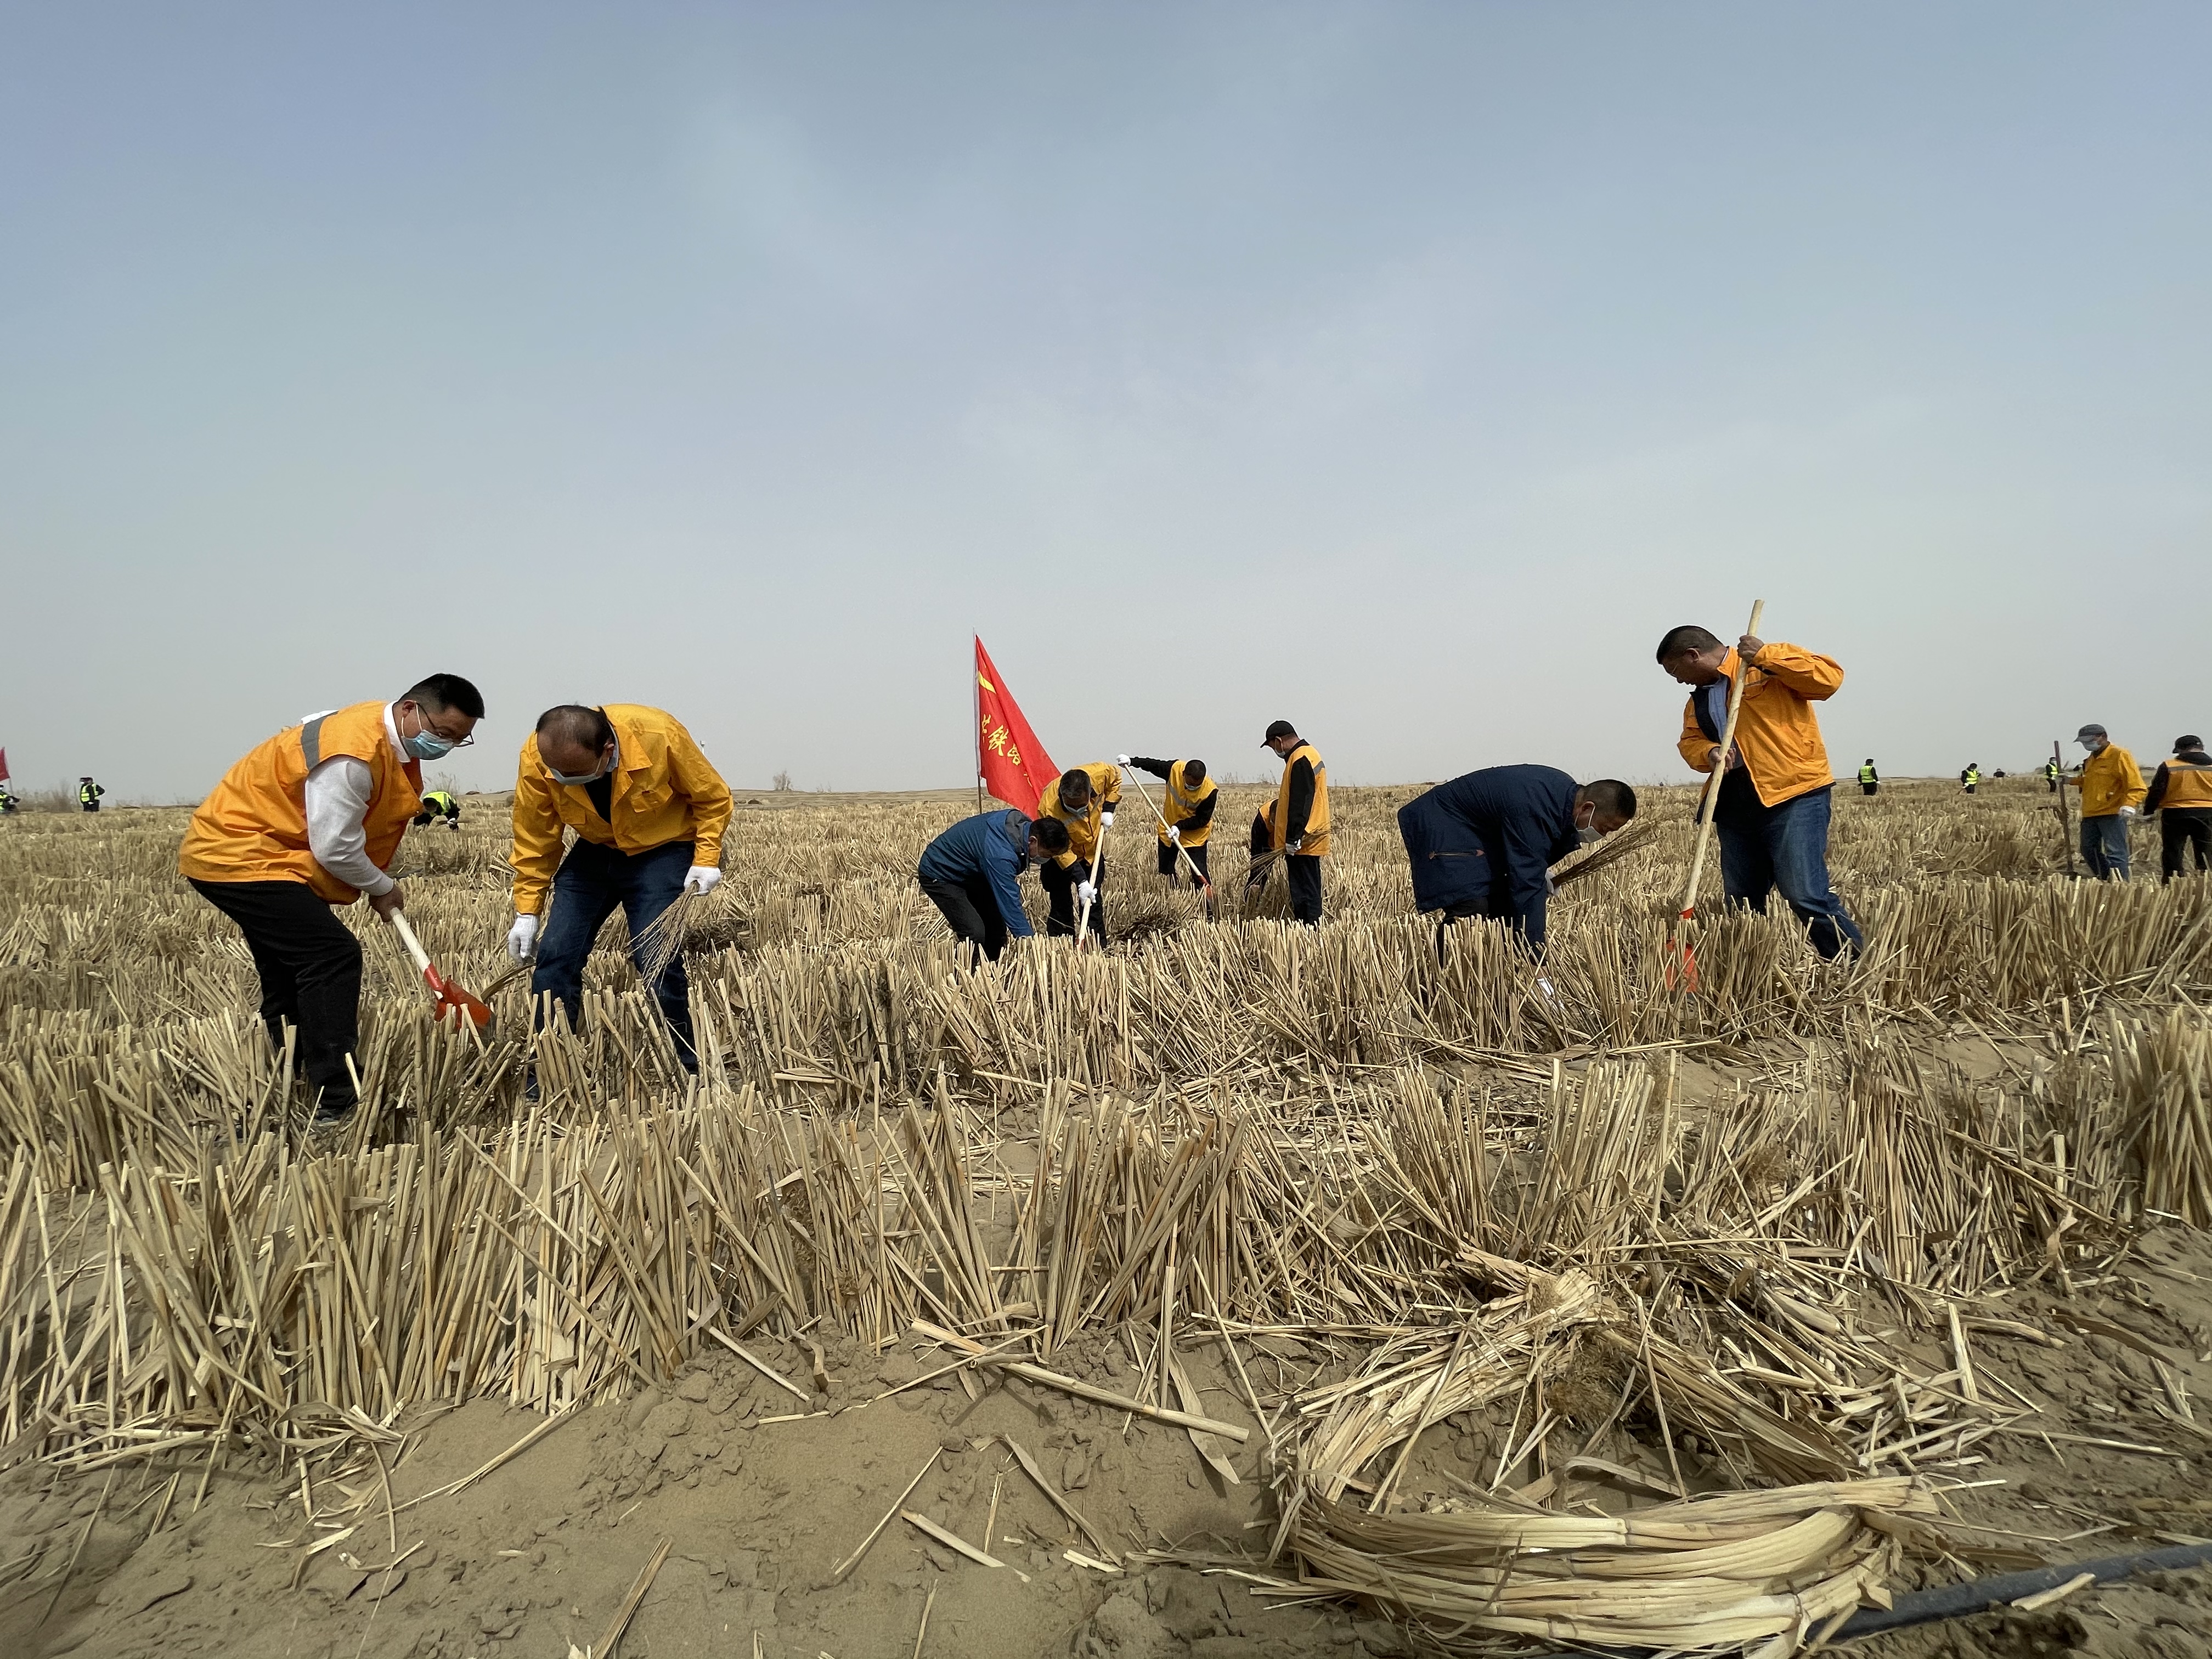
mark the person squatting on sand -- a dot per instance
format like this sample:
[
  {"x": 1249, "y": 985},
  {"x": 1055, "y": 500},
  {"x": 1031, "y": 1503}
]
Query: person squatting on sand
[
  {"x": 972, "y": 874},
  {"x": 649, "y": 811},
  {"x": 1772, "y": 814},
  {"x": 309, "y": 820}
]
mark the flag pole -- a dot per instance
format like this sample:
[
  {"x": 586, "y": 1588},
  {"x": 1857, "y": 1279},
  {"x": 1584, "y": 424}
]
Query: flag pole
[{"x": 975, "y": 711}]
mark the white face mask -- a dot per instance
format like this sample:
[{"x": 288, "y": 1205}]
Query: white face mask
[{"x": 1587, "y": 834}]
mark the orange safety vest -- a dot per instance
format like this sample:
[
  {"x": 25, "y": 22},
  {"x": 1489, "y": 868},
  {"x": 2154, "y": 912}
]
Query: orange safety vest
[
  {"x": 1182, "y": 803},
  {"x": 1083, "y": 828},
  {"x": 1316, "y": 835},
  {"x": 2187, "y": 785},
  {"x": 254, "y": 826}
]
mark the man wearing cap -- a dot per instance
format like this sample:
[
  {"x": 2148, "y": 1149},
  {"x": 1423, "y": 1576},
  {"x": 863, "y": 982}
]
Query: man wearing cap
[
  {"x": 1297, "y": 821},
  {"x": 2111, "y": 792},
  {"x": 2181, "y": 795}
]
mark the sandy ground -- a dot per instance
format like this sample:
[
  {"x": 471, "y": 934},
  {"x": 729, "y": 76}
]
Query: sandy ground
[{"x": 759, "y": 1502}]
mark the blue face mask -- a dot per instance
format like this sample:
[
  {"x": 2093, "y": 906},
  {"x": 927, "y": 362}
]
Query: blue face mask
[{"x": 429, "y": 745}]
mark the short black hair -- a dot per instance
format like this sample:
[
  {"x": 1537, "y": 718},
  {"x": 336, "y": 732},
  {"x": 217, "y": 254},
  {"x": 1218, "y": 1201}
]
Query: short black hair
[
  {"x": 446, "y": 692},
  {"x": 571, "y": 723},
  {"x": 1614, "y": 798},
  {"x": 1688, "y": 637},
  {"x": 1194, "y": 773},
  {"x": 1076, "y": 781},
  {"x": 1051, "y": 834}
]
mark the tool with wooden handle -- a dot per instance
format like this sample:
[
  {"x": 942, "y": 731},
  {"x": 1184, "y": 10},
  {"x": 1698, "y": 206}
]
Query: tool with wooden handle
[
  {"x": 451, "y": 998},
  {"x": 1189, "y": 863},
  {"x": 1712, "y": 798},
  {"x": 1097, "y": 853}
]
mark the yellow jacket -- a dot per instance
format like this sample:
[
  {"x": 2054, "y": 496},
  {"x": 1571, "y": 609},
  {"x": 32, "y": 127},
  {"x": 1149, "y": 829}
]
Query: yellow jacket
[
  {"x": 2109, "y": 782},
  {"x": 1777, "y": 734},
  {"x": 1083, "y": 826},
  {"x": 665, "y": 790}
]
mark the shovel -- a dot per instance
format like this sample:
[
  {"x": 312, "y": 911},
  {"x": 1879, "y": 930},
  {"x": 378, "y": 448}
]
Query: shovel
[
  {"x": 451, "y": 998},
  {"x": 1682, "y": 963}
]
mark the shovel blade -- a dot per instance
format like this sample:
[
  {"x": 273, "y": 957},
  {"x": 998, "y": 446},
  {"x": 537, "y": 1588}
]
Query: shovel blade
[{"x": 452, "y": 999}]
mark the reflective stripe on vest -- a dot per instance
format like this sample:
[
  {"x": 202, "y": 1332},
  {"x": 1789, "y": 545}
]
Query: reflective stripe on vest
[
  {"x": 1182, "y": 804},
  {"x": 2187, "y": 784}
]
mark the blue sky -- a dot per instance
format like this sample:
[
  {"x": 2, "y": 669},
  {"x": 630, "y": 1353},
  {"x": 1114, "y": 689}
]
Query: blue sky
[{"x": 1403, "y": 371}]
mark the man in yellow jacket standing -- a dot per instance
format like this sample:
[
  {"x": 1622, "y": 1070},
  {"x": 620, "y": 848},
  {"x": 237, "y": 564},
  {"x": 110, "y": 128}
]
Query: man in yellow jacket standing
[
  {"x": 310, "y": 820},
  {"x": 2111, "y": 795},
  {"x": 1772, "y": 813},
  {"x": 649, "y": 812}
]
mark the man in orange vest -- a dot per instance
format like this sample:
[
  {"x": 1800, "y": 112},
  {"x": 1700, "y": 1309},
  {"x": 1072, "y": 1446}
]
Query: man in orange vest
[
  {"x": 309, "y": 820},
  {"x": 649, "y": 811},
  {"x": 2181, "y": 793},
  {"x": 1772, "y": 813},
  {"x": 1296, "y": 823}
]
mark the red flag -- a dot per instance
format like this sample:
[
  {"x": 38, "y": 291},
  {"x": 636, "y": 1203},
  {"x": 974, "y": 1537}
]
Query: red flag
[
  {"x": 3, "y": 766},
  {"x": 1009, "y": 759}
]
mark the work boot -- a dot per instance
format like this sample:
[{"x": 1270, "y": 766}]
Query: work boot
[{"x": 334, "y": 1106}]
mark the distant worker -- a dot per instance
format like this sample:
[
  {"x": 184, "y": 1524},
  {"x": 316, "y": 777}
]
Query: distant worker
[
  {"x": 9, "y": 801},
  {"x": 1772, "y": 812},
  {"x": 88, "y": 795},
  {"x": 1870, "y": 780},
  {"x": 1297, "y": 821},
  {"x": 440, "y": 806},
  {"x": 1483, "y": 844},
  {"x": 1971, "y": 777},
  {"x": 1188, "y": 805},
  {"x": 649, "y": 811},
  {"x": 972, "y": 874},
  {"x": 2111, "y": 792},
  {"x": 310, "y": 819},
  {"x": 1083, "y": 799},
  {"x": 2051, "y": 774},
  {"x": 2181, "y": 795}
]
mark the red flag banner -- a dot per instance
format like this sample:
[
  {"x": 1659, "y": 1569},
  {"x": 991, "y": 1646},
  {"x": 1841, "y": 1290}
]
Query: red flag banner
[
  {"x": 3, "y": 766},
  {"x": 1009, "y": 759}
]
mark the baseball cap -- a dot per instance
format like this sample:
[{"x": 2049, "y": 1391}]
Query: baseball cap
[
  {"x": 2190, "y": 742},
  {"x": 2091, "y": 732},
  {"x": 1278, "y": 729}
]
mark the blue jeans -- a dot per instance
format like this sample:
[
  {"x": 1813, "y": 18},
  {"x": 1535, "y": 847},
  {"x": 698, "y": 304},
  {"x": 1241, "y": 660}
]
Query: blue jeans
[
  {"x": 591, "y": 880},
  {"x": 1786, "y": 846},
  {"x": 2105, "y": 846}
]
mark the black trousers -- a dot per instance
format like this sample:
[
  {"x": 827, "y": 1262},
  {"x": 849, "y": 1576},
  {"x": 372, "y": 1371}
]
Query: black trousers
[
  {"x": 1869, "y": 789},
  {"x": 1172, "y": 861},
  {"x": 1060, "y": 882},
  {"x": 310, "y": 968},
  {"x": 2181, "y": 828},
  {"x": 970, "y": 909},
  {"x": 1303, "y": 870},
  {"x": 92, "y": 807}
]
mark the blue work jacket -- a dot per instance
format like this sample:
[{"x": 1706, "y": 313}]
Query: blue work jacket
[
  {"x": 993, "y": 845},
  {"x": 1480, "y": 844}
]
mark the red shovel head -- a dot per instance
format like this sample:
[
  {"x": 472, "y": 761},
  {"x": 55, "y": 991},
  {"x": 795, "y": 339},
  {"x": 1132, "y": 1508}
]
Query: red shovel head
[
  {"x": 452, "y": 999},
  {"x": 1681, "y": 963}
]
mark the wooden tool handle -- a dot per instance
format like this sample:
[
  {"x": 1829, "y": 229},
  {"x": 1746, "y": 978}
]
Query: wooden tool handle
[
  {"x": 1195, "y": 874},
  {"x": 1710, "y": 804},
  {"x": 1097, "y": 852},
  {"x": 406, "y": 931}
]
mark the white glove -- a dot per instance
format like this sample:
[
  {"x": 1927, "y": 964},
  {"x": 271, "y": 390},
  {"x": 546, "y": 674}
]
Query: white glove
[
  {"x": 2127, "y": 815},
  {"x": 522, "y": 938},
  {"x": 1106, "y": 818},
  {"x": 1295, "y": 845},
  {"x": 702, "y": 879},
  {"x": 1121, "y": 760},
  {"x": 1084, "y": 892},
  {"x": 1174, "y": 834}
]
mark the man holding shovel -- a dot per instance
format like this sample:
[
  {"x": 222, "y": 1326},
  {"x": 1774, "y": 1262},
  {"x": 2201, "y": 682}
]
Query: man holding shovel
[
  {"x": 1772, "y": 813},
  {"x": 649, "y": 811},
  {"x": 1186, "y": 814},
  {"x": 1083, "y": 799},
  {"x": 309, "y": 820}
]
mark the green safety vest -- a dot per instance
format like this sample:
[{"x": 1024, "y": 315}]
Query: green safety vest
[
  {"x": 1973, "y": 776},
  {"x": 1866, "y": 774}
]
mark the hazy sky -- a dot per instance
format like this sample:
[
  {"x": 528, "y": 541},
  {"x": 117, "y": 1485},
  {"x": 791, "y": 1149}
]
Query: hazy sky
[{"x": 1401, "y": 370}]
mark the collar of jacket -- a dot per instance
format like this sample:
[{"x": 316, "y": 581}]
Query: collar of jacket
[{"x": 1015, "y": 827}]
